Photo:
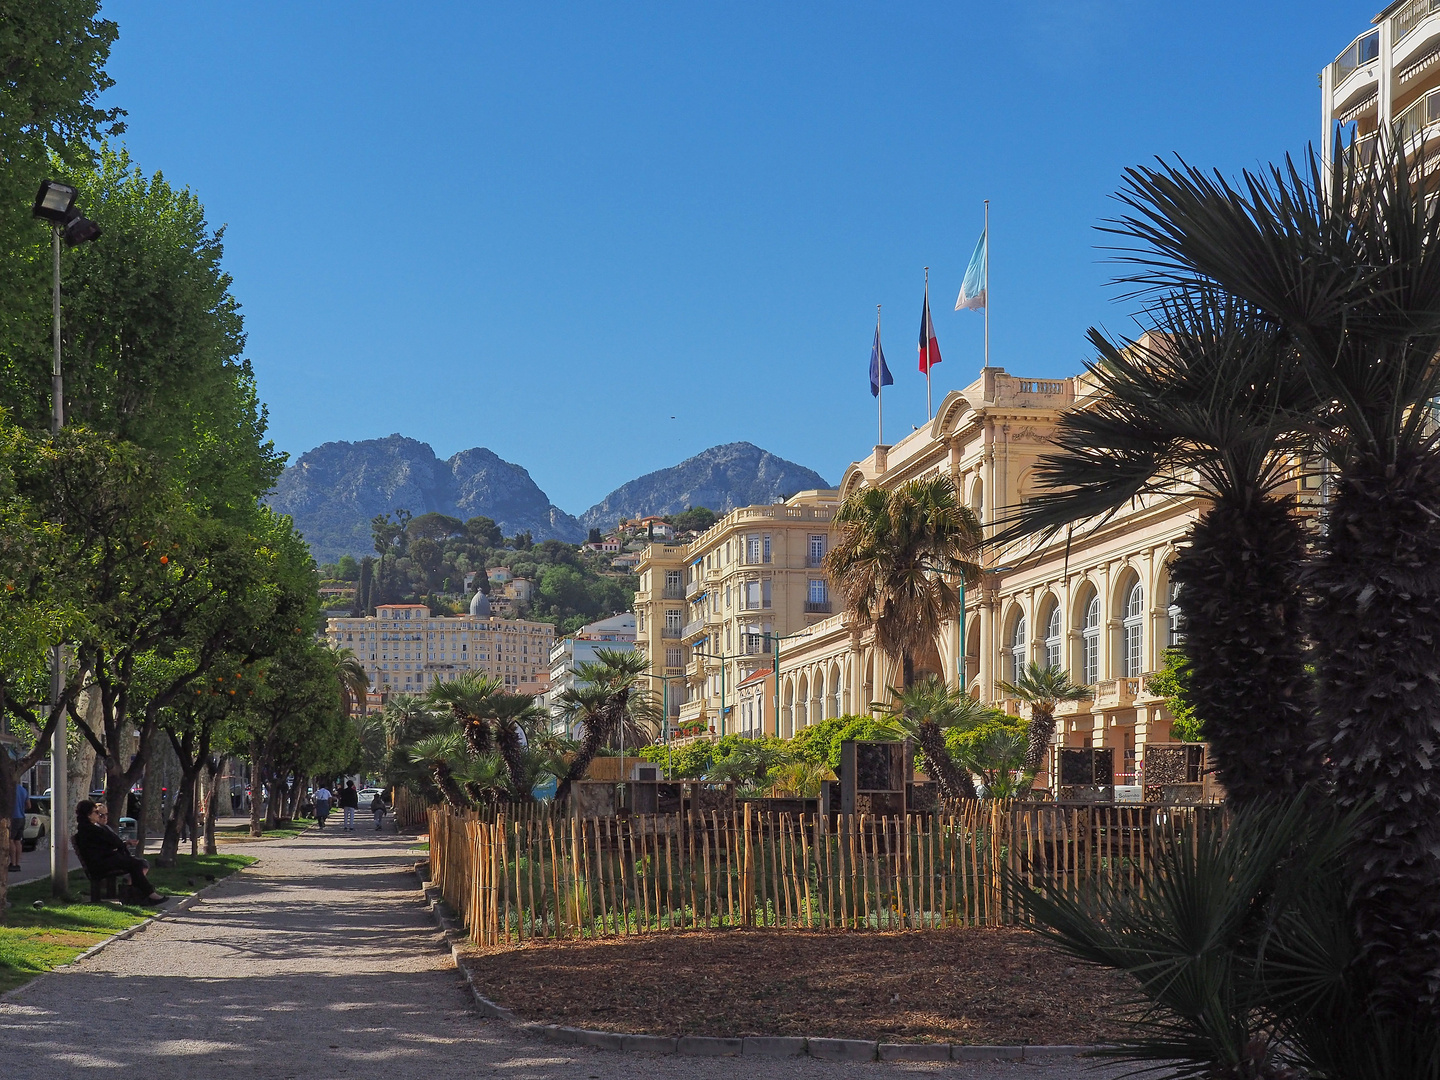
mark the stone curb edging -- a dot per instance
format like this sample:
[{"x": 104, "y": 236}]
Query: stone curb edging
[
  {"x": 707, "y": 1046},
  {"x": 184, "y": 905}
]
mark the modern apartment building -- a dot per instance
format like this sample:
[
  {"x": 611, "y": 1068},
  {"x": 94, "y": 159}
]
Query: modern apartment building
[
  {"x": 710, "y": 613},
  {"x": 1389, "y": 74},
  {"x": 406, "y": 649}
]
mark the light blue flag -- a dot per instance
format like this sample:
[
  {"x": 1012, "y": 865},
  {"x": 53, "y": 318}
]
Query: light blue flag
[{"x": 972, "y": 289}]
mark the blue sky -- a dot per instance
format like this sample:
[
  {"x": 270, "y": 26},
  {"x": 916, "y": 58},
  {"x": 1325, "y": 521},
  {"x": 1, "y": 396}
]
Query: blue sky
[{"x": 549, "y": 229}]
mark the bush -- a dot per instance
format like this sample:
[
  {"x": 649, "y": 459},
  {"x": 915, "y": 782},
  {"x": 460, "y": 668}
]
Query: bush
[{"x": 820, "y": 744}]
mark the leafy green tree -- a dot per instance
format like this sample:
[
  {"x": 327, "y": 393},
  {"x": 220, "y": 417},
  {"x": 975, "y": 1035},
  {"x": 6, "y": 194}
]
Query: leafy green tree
[
  {"x": 483, "y": 532},
  {"x": 490, "y": 718},
  {"x": 693, "y": 519},
  {"x": 436, "y": 526},
  {"x": 1173, "y": 683},
  {"x": 898, "y": 562},
  {"x": 347, "y": 569}
]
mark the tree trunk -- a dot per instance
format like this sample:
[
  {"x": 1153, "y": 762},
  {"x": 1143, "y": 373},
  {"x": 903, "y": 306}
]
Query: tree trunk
[
  {"x": 1244, "y": 638},
  {"x": 1042, "y": 730},
  {"x": 512, "y": 751},
  {"x": 179, "y": 810},
  {"x": 222, "y": 802},
  {"x": 257, "y": 791},
  {"x": 218, "y": 780},
  {"x": 1377, "y": 631},
  {"x": 955, "y": 784}
]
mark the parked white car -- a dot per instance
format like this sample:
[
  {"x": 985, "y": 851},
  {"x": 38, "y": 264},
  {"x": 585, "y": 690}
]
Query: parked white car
[
  {"x": 37, "y": 822},
  {"x": 366, "y": 796}
]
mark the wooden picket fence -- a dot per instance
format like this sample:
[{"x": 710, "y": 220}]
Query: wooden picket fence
[
  {"x": 560, "y": 877},
  {"x": 410, "y": 810}
]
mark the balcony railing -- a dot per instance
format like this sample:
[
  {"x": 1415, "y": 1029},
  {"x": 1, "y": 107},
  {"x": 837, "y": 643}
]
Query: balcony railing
[
  {"x": 1113, "y": 692},
  {"x": 814, "y": 562},
  {"x": 670, "y": 631},
  {"x": 817, "y": 607},
  {"x": 693, "y": 627},
  {"x": 1418, "y": 117},
  {"x": 1407, "y": 19},
  {"x": 1363, "y": 50},
  {"x": 673, "y": 592},
  {"x": 694, "y": 588}
]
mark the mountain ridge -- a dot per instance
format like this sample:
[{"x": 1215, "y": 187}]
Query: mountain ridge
[{"x": 333, "y": 490}]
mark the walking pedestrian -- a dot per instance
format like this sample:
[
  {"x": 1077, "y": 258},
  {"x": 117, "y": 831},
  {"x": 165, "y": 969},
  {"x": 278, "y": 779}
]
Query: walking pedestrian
[
  {"x": 322, "y": 805},
  {"x": 377, "y": 807},
  {"x": 349, "y": 802},
  {"x": 17, "y": 825}
]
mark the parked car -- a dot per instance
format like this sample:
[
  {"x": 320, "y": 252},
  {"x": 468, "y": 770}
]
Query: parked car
[
  {"x": 37, "y": 822},
  {"x": 366, "y": 796}
]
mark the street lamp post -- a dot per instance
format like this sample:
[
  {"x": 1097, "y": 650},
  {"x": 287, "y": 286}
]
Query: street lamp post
[
  {"x": 55, "y": 203},
  {"x": 665, "y": 681}
]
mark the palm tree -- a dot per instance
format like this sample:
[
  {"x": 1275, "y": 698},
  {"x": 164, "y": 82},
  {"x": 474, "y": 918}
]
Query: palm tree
[
  {"x": 609, "y": 698},
  {"x": 900, "y": 556},
  {"x": 925, "y": 712},
  {"x": 1348, "y": 264},
  {"x": 490, "y": 717},
  {"x": 1042, "y": 688},
  {"x": 442, "y": 755},
  {"x": 1213, "y": 404},
  {"x": 354, "y": 683}
]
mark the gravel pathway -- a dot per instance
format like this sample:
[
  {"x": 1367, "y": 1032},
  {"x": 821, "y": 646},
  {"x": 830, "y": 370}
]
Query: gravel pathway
[{"x": 319, "y": 961}]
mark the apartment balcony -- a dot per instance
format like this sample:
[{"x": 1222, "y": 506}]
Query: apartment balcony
[
  {"x": 674, "y": 672},
  {"x": 1413, "y": 126},
  {"x": 1356, "y": 67},
  {"x": 1114, "y": 693},
  {"x": 692, "y": 711},
  {"x": 673, "y": 592},
  {"x": 1073, "y": 708},
  {"x": 1405, "y": 22},
  {"x": 694, "y": 589},
  {"x": 694, "y": 628},
  {"x": 818, "y": 607},
  {"x": 670, "y": 632},
  {"x": 813, "y": 563}
]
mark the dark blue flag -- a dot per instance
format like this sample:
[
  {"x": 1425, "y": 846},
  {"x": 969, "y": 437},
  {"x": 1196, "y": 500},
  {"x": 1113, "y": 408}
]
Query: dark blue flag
[{"x": 879, "y": 373}]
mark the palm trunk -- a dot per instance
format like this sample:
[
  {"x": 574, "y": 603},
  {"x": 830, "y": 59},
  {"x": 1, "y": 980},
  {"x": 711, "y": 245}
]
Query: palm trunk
[
  {"x": 449, "y": 789},
  {"x": 1243, "y": 606},
  {"x": 599, "y": 726},
  {"x": 955, "y": 784},
  {"x": 1377, "y": 631},
  {"x": 1042, "y": 730},
  {"x": 513, "y": 753}
]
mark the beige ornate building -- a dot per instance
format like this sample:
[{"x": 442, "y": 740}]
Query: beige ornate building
[
  {"x": 1096, "y": 601},
  {"x": 404, "y": 648},
  {"x": 710, "y": 613}
]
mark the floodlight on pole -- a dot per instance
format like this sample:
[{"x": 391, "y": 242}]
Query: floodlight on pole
[{"x": 55, "y": 204}]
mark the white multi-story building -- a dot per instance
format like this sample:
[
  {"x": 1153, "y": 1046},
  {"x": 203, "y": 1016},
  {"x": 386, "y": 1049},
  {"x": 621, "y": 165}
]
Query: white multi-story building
[
  {"x": 616, "y": 634},
  {"x": 405, "y": 649},
  {"x": 1388, "y": 75}
]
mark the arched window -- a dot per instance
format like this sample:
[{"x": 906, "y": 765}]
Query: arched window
[
  {"x": 1052, "y": 637},
  {"x": 1015, "y": 658},
  {"x": 1175, "y": 629},
  {"x": 1132, "y": 646},
  {"x": 1090, "y": 642}
]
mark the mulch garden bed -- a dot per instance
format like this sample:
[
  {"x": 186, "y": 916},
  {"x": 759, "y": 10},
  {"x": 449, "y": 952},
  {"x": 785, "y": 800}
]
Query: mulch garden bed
[{"x": 973, "y": 986}]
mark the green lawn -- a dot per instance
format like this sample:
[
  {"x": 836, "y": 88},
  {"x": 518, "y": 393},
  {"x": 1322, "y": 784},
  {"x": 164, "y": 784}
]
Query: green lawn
[
  {"x": 34, "y": 940},
  {"x": 239, "y": 834}
]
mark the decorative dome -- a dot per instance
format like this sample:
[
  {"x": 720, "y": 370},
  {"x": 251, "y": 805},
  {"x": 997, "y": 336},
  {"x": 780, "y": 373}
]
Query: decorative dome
[{"x": 480, "y": 605}]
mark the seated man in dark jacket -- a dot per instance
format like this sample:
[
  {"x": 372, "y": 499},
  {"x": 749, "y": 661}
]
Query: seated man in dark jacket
[{"x": 102, "y": 850}]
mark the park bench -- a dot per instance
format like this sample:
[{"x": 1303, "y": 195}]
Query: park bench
[{"x": 103, "y": 883}]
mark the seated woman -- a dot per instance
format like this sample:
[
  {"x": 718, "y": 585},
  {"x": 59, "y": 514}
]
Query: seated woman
[{"x": 102, "y": 850}]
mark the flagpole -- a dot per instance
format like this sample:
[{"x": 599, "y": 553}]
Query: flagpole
[
  {"x": 929, "y": 408},
  {"x": 987, "y": 283},
  {"x": 879, "y": 382}
]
